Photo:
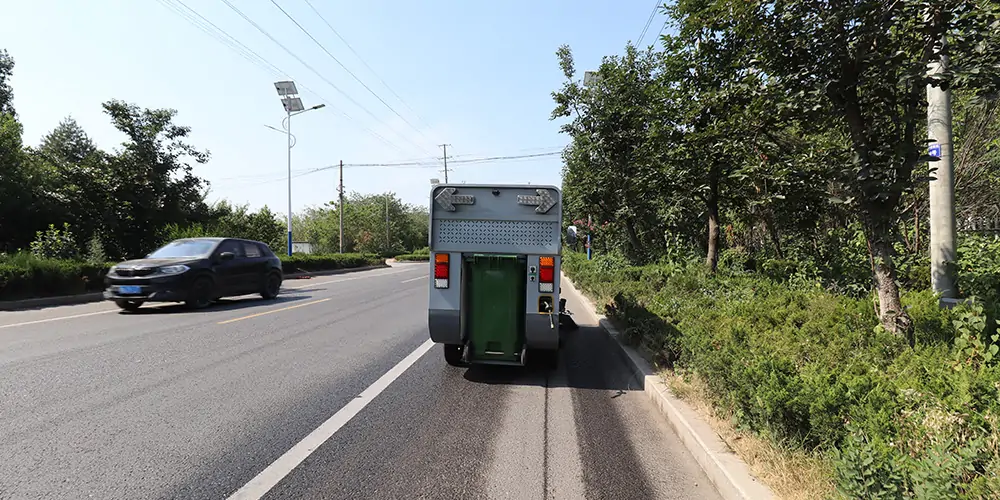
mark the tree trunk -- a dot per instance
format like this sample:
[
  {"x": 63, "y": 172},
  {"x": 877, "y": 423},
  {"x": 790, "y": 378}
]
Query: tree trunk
[
  {"x": 712, "y": 206},
  {"x": 633, "y": 239},
  {"x": 772, "y": 231},
  {"x": 713, "y": 234},
  {"x": 891, "y": 313}
]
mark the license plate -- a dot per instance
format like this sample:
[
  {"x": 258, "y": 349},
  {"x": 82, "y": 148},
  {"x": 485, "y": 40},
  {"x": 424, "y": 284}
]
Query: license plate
[{"x": 129, "y": 290}]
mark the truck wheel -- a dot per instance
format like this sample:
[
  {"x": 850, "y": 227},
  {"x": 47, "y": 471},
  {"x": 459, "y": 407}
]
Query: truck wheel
[
  {"x": 453, "y": 354},
  {"x": 544, "y": 358}
]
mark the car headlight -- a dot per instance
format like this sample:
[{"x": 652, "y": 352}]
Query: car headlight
[
  {"x": 173, "y": 269},
  {"x": 113, "y": 270}
]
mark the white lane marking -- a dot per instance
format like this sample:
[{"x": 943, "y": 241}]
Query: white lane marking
[
  {"x": 343, "y": 279},
  {"x": 274, "y": 473},
  {"x": 46, "y": 320},
  {"x": 414, "y": 279}
]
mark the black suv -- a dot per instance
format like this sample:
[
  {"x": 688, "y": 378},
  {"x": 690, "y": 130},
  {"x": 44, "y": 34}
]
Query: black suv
[{"x": 196, "y": 271}]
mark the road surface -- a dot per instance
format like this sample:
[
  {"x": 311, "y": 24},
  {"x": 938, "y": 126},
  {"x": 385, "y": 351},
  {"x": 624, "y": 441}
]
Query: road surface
[{"x": 331, "y": 391}]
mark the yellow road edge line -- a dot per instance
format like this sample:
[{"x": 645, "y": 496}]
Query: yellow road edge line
[{"x": 272, "y": 311}]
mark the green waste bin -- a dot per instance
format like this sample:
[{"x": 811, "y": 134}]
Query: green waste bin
[{"x": 494, "y": 306}]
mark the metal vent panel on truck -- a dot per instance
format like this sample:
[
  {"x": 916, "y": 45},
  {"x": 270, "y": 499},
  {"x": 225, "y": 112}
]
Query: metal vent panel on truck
[{"x": 497, "y": 235}]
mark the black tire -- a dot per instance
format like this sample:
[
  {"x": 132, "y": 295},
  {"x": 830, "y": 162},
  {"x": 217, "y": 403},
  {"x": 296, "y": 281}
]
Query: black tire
[
  {"x": 272, "y": 287},
  {"x": 129, "y": 305},
  {"x": 202, "y": 293},
  {"x": 453, "y": 354}
]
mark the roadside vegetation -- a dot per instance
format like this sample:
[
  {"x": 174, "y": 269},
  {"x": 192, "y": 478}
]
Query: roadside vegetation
[
  {"x": 69, "y": 208},
  {"x": 757, "y": 189}
]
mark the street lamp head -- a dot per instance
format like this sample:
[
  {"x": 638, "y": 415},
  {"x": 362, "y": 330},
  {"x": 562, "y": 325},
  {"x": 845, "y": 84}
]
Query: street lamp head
[
  {"x": 286, "y": 88},
  {"x": 318, "y": 106}
]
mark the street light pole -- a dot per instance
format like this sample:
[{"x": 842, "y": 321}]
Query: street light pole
[
  {"x": 293, "y": 106},
  {"x": 289, "y": 130}
]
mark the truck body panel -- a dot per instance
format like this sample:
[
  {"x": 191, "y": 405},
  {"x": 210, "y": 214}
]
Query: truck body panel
[{"x": 497, "y": 222}]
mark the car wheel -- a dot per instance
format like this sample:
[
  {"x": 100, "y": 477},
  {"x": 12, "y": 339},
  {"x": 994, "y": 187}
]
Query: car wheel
[
  {"x": 201, "y": 293},
  {"x": 129, "y": 305},
  {"x": 272, "y": 287},
  {"x": 453, "y": 354}
]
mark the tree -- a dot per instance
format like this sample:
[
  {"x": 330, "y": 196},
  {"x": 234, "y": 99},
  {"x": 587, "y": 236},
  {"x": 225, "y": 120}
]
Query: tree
[
  {"x": 612, "y": 168},
  {"x": 860, "y": 68},
  {"x": 364, "y": 225},
  {"x": 152, "y": 179},
  {"x": 6, "y": 91},
  {"x": 68, "y": 144}
]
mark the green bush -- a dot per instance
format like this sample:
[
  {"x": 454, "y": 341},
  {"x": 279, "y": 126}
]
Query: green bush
[
  {"x": 414, "y": 257},
  {"x": 24, "y": 275},
  {"x": 55, "y": 243},
  {"x": 801, "y": 365},
  {"x": 312, "y": 263}
]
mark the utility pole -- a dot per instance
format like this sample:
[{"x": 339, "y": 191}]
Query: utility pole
[
  {"x": 942, "y": 189},
  {"x": 340, "y": 207},
  {"x": 445, "y": 147}
]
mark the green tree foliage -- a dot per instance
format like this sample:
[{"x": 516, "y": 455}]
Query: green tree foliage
[
  {"x": 861, "y": 69},
  {"x": 6, "y": 91},
  {"x": 755, "y": 116},
  {"x": 227, "y": 220},
  {"x": 364, "y": 225}
]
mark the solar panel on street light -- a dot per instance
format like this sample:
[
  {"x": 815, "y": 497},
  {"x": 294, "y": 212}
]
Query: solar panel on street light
[
  {"x": 286, "y": 88},
  {"x": 292, "y": 104}
]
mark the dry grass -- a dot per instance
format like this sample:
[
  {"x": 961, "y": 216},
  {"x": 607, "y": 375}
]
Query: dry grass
[{"x": 791, "y": 474}]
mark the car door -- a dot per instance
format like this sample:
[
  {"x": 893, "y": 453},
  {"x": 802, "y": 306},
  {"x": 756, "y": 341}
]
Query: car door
[
  {"x": 230, "y": 274},
  {"x": 256, "y": 266}
]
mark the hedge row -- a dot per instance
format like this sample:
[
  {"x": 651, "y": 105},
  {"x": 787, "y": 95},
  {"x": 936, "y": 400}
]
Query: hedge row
[
  {"x": 312, "y": 263},
  {"x": 809, "y": 368},
  {"x": 23, "y": 276},
  {"x": 413, "y": 257}
]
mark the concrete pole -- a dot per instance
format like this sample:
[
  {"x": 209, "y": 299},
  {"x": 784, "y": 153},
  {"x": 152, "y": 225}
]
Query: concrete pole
[
  {"x": 942, "y": 189},
  {"x": 340, "y": 207}
]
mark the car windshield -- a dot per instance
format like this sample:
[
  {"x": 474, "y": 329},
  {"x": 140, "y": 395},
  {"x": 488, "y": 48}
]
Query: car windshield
[{"x": 183, "y": 249}]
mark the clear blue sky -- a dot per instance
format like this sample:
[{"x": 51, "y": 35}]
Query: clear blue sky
[{"x": 477, "y": 75}]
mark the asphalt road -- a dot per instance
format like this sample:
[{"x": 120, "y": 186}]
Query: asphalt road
[{"x": 330, "y": 391}]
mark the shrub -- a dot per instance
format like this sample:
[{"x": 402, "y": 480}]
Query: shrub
[
  {"x": 55, "y": 243},
  {"x": 413, "y": 257},
  {"x": 312, "y": 263},
  {"x": 799, "y": 364},
  {"x": 25, "y": 276}
]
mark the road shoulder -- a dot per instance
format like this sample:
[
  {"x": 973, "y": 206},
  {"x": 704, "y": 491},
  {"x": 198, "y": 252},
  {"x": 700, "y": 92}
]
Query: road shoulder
[{"x": 729, "y": 473}]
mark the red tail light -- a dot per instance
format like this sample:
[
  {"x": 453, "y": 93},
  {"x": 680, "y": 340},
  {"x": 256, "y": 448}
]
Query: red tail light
[
  {"x": 442, "y": 270},
  {"x": 546, "y": 274}
]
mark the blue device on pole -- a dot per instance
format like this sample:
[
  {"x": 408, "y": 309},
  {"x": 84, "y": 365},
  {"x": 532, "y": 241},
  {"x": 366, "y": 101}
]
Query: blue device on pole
[
  {"x": 588, "y": 247},
  {"x": 289, "y": 243}
]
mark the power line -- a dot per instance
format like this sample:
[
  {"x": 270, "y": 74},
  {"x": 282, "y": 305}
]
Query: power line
[
  {"x": 384, "y": 84},
  {"x": 310, "y": 68},
  {"x": 466, "y": 161},
  {"x": 648, "y": 22},
  {"x": 363, "y": 84},
  {"x": 221, "y": 35}
]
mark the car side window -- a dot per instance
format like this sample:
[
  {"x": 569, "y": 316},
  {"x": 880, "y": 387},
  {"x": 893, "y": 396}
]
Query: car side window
[
  {"x": 252, "y": 250},
  {"x": 265, "y": 250},
  {"x": 231, "y": 246}
]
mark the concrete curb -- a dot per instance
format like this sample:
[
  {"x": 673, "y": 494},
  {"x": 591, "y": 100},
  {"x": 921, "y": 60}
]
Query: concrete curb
[
  {"x": 86, "y": 298},
  {"x": 727, "y": 471}
]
